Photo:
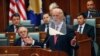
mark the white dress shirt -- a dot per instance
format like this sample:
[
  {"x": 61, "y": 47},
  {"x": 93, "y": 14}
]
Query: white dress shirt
[
  {"x": 89, "y": 15},
  {"x": 78, "y": 30},
  {"x": 46, "y": 27},
  {"x": 15, "y": 29}
]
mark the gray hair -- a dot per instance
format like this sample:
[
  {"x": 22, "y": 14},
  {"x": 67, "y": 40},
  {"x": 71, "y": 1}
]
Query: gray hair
[{"x": 53, "y": 5}]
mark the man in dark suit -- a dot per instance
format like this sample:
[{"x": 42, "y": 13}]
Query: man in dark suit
[
  {"x": 45, "y": 26},
  {"x": 60, "y": 42},
  {"x": 83, "y": 28},
  {"x": 15, "y": 23},
  {"x": 91, "y": 11},
  {"x": 24, "y": 39},
  {"x": 46, "y": 18}
]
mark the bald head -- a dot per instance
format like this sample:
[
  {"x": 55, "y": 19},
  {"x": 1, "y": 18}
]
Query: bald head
[
  {"x": 22, "y": 29},
  {"x": 58, "y": 14},
  {"x": 90, "y": 5},
  {"x": 23, "y": 32}
]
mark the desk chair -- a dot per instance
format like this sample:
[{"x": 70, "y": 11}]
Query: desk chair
[
  {"x": 24, "y": 22},
  {"x": 35, "y": 35},
  {"x": 3, "y": 40}
]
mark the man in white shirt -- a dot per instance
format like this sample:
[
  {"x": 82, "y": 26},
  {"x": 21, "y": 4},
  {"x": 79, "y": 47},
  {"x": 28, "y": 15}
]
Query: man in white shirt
[
  {"x": 83, "y": 28},
  {"x": 15, "y": 23},
  {"x": 91, "y": 10},
  {"x": 46, "y": 19}
]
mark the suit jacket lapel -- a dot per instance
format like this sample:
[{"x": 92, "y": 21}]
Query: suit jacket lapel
[
  {"x": 12, "y": 28},
  {"x": 20, "y": 42},
  {"x": 43, "y": 28},
  {"x": 63, "y": 28},
  {"x": 84, "y": 30},
  {"x": 53, "y": 25}
]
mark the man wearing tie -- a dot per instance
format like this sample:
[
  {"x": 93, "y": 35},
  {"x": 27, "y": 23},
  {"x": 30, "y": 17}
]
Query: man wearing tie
[
  {"x": 83, "y": 28},
  {"x": 24, "y": 39},
  {"x": 60, "y": 42},
  {"x": 43, "y": 27},
  {"x": 15, "y": 23},
  {"x": 91, "y": 10},
  {"x": 58, "y": 23}
]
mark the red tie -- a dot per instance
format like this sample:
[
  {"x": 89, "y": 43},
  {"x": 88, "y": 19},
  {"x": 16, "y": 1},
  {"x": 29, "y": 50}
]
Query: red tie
[{"x": 55, "y": 39}]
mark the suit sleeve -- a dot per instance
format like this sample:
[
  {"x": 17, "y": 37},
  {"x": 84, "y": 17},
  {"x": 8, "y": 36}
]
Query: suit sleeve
[
  {"x": 92, "y": 33},
  {"x": 38, "y": 44}
]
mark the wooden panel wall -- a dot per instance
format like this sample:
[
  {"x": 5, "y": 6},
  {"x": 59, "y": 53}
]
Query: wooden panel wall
[
  {"x": 72, "y": 7},
  {"x": 3, "y": 14},
  {"x": 63, "y": 4}
]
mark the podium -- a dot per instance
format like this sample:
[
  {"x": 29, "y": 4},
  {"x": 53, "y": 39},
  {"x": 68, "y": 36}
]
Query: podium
[
  {"x": 84, "y": 43},
  {"x": 28, "y": 51}
]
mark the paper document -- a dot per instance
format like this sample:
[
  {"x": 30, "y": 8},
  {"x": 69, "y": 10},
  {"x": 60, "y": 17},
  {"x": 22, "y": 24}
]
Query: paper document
[{"x": 54, "y": 32}]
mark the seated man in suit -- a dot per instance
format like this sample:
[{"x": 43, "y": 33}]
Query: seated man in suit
[
  {"x": 45, "y": 26},
  {"x": 83, "y": 28},
  {"x": 24, "y": 39},
  {"x": 60, "y": 42},
  {"x": 46, "y": 18},
  {"x": 91, "y": 11},
  {"x": 15, "y": 23}
]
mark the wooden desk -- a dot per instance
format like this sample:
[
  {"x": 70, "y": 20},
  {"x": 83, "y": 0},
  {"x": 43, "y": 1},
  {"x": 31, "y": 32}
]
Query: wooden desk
[
  {"x": 28, "y": 51},
  {"x": 12, "y": 36}
]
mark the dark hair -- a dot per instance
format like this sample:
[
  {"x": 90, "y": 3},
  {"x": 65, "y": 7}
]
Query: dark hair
[
  {"x": 84, "y": 16},
  {"x": 15, "y": 15},
  {"x": 44, "y": 14}
]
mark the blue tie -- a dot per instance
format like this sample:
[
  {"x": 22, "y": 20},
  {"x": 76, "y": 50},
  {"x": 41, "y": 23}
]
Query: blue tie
[{"x": 80, "y": 29}]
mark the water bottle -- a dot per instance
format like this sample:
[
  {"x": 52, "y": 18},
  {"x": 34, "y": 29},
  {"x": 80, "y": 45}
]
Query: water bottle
[{"x": 44, "y": 46}]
